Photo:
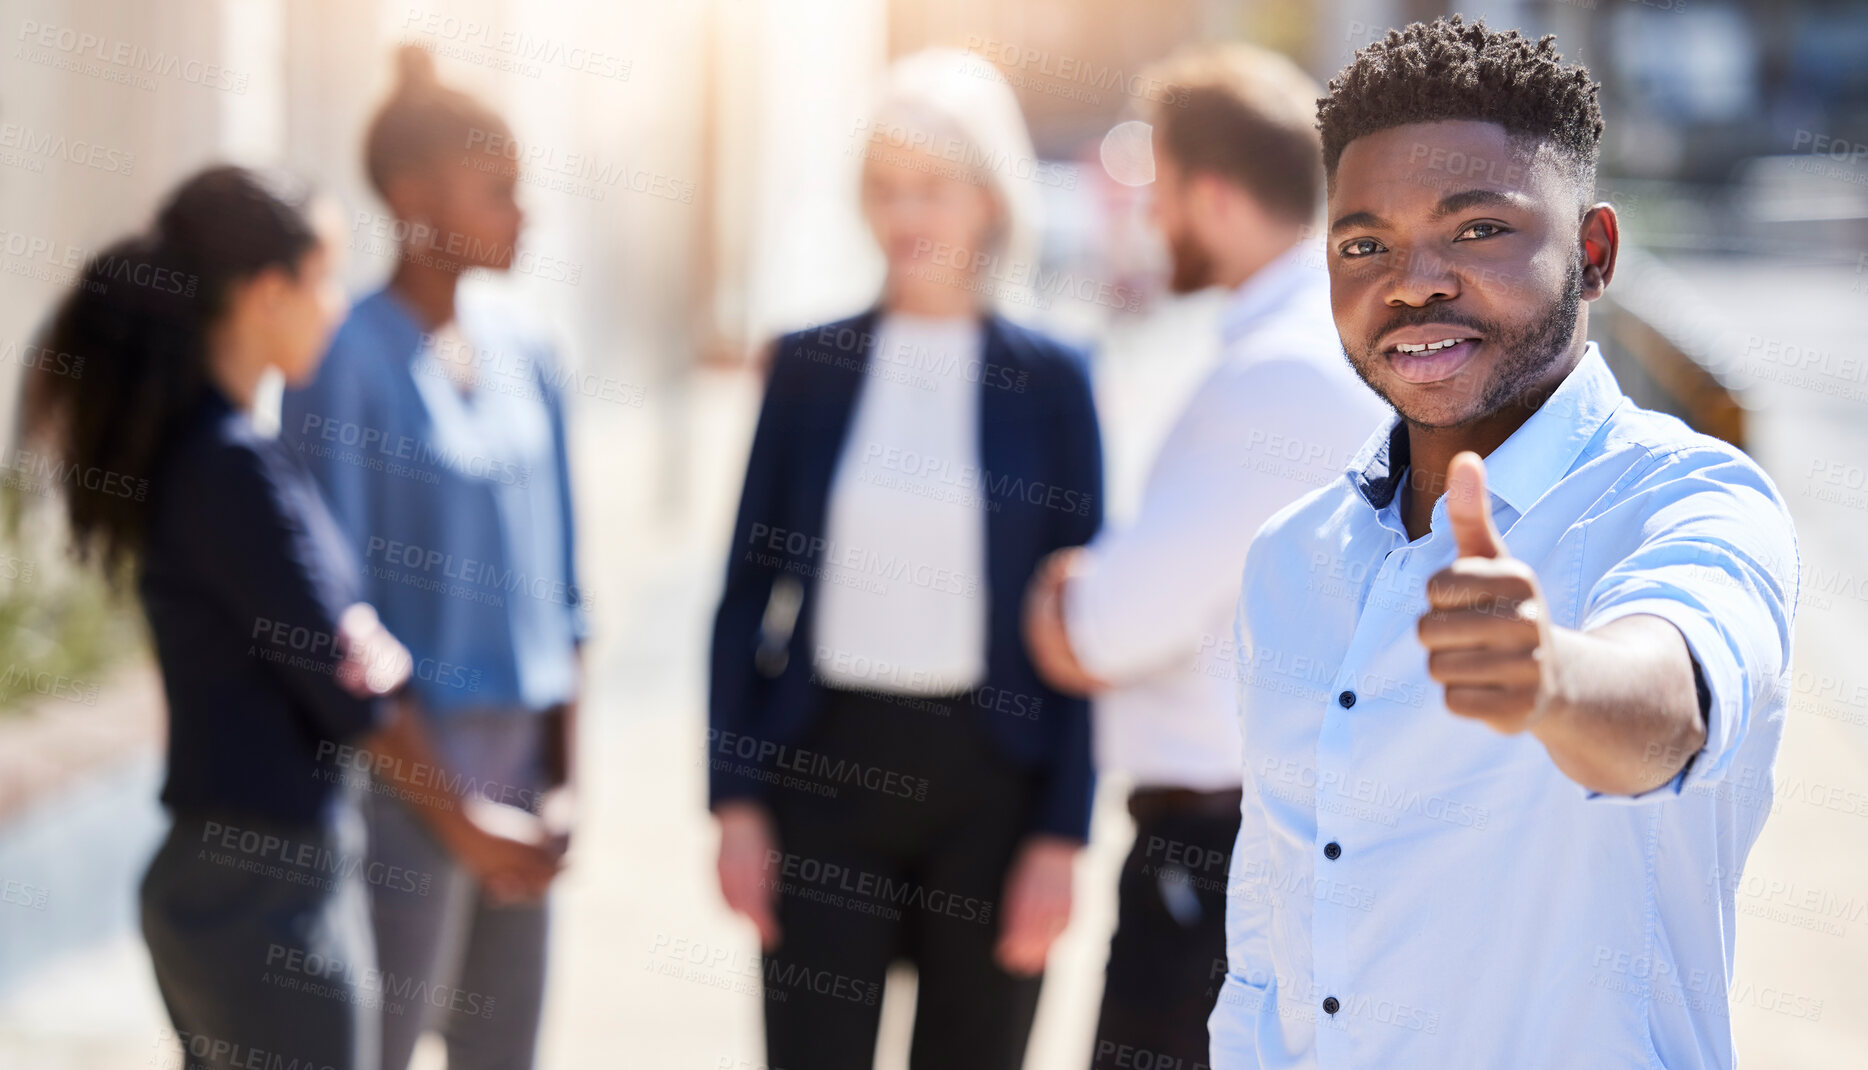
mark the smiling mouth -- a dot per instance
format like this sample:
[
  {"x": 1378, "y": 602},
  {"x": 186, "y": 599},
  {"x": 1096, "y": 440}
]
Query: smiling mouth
[
  {"x": 1448, "y": 343},
  {"x": 1432, "y": 362}
]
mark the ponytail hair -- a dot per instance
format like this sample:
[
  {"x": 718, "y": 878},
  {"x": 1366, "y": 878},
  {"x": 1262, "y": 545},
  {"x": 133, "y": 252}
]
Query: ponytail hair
[
  {"x": 423, "y": 122},
  {"x": 138, "y": 323}
]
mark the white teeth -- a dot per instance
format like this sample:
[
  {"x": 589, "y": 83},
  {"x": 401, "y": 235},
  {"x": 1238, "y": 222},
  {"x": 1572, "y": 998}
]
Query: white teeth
[{"x": 1429, "y": 347}]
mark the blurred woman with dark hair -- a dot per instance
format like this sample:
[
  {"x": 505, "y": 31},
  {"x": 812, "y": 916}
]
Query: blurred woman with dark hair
[
  {"x": 437, "y": 429},
  {"x": 272, "y": 664}
]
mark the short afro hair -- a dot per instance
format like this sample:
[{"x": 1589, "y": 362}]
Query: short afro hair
[{"x": 1448, "y": 69}]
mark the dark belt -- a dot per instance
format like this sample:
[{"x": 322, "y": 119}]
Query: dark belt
[{"x": 1147, "y": 804}]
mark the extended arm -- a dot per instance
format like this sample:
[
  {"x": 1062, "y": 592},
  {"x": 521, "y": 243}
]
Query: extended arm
[{"x": 1677, "y": 642}]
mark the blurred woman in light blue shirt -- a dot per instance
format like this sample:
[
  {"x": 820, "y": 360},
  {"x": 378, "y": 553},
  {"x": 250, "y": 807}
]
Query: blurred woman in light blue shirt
[
  {"x": 458, "y": 503},
  {"x": 437, "y": 431}
]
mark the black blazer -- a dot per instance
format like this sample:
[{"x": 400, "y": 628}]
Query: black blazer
[
  {"x": 243, "y": 577},
  {"x": 1042, "y": 458}
]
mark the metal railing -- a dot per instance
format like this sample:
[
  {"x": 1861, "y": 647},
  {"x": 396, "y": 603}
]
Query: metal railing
[{"x": 1667, "y": 348}]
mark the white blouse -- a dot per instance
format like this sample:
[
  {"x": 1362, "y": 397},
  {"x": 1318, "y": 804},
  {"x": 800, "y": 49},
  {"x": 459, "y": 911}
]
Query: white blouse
[{"x": 901, "y": 585}]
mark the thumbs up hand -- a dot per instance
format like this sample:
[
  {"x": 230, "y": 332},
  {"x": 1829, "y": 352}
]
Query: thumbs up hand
[{"x": 1486, "y": 630}]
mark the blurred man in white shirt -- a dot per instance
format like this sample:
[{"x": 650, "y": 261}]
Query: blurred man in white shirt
[{"x": 1139, "y": 617}]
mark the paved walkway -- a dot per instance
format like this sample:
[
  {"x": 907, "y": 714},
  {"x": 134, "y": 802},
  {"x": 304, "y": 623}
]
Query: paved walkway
[{"x": 1800, "y": 988}]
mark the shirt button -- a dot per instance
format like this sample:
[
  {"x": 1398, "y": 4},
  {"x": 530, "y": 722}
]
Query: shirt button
[
  {"x": 1332, "y": 850},
  {"x": 1330, "y": 1006},
  {"x": 1346, "y": 699}
]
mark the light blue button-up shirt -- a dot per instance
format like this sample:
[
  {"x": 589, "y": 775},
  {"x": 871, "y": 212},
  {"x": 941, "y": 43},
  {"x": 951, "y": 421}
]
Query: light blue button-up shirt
[
  {"x": 1412, "y": 889},
  {"x": 458, "y": 505}
]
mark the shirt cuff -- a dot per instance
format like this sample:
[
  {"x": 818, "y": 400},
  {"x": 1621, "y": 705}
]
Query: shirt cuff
[
  {"x": 1717, "y": 680},
  {"x": 1076, "y": 601}
]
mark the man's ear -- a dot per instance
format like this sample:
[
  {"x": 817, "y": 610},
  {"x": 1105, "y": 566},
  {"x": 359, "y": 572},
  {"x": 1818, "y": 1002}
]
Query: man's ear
[
  {"x": 1601, "y": 239},
  {"x": 1206, "y": 196}
]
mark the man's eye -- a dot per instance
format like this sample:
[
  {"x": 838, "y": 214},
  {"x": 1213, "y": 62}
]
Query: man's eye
[
  {"x": 1360, "y": 247},
  {"x": 1480, "y": 230}
]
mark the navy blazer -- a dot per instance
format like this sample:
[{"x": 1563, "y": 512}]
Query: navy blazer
[
  {"x": 243, "y": 578},
  {"x": 1041, "y": 454}
]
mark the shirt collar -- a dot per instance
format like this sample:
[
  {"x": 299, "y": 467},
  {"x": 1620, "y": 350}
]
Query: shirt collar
[
  {"x": 1540, "y": 451},
  {"x": 400, "y": 321},
  {"x": 1377, "y": 467},
  {"x": 1269, "y": 288},
  {"x": 1530, "y": 462}
]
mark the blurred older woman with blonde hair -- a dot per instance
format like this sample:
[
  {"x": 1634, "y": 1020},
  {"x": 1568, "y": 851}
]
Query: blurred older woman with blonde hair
[{"x": 892, "y": 778}]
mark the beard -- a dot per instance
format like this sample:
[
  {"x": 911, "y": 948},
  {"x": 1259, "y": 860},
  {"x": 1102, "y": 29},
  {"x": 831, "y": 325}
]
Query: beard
[
  {"x": 1192, "y": 268},
  {"x": 1525, "y": 353}
]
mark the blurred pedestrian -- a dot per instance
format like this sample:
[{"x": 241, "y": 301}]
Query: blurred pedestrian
[
  {"x": 272, "y": 665},
  {"x": 891, "y": 777},
  {"x": 437, "y": 429},
  {"x": 1140, "y": 617}
]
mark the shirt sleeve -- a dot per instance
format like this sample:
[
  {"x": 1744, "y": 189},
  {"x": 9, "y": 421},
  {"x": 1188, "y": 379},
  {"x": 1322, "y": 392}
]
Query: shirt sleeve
[
  {"x": 1711, "y": 550},
  {"x": 253, "y": 552},
  {"x": 1249, "y": 444},
  {"x": 575, "y": 602},
  {"x": 1249, "y": 988},
  {"x": 327, "y": 424}
]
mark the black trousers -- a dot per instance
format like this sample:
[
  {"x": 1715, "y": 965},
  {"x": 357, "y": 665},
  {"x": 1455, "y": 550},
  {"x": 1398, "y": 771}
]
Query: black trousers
[
  {"x": 897, "y": 821},
  {"x": 1168, "y": 957},
  {"x": 259, "y": 932}
]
